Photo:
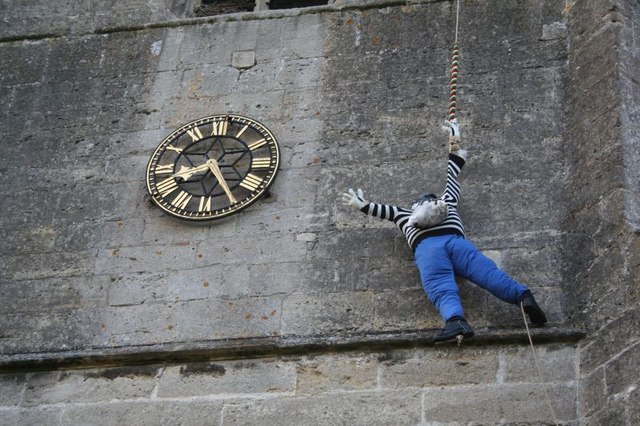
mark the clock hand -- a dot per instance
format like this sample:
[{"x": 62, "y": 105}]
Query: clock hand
[
  {"x": 186, "y": 172},
  {"x": 215, "y": 169}
]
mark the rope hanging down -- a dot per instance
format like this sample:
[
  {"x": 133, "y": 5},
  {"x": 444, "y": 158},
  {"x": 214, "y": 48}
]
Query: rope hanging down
[
  {"x": 535, "y": 361},
  {"x": 455, "y": 62}
]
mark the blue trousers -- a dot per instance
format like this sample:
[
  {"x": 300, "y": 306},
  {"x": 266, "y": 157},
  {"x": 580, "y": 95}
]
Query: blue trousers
[{"x": 441, "y": 258}]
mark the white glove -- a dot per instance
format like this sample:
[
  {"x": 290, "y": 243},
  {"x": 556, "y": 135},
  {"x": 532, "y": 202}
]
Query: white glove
[
  {"x": 453, "y": 129},
  {"x": 354, "y": 199},
  {"x": 462, "y": 153}
]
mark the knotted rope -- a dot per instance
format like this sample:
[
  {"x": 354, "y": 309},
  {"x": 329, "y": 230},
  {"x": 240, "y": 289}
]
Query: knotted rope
[
  {"x": 453, "y": 88},
  {"x": 455, "y": 63}
]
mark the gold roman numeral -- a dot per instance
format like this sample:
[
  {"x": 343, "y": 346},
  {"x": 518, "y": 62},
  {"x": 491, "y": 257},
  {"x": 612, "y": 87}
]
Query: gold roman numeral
[
  {"x": 205, "y": 204},
  {"x": 219, "y": 128},
  {"x": 257, "y": 144},
  {"x": 181, "y": 200},
  {"x": 167, "y": 186},
  {"x": 173, "y": 148},
  {"x": 195, "y": 134},
  {"x": 251, "y": 182},
  {"x": 163, "y": 170},
  {"x": 244, "y": 129},
  {"x": 261, "y": 163}
]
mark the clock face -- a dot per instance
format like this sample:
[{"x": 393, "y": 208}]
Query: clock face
[{"x": 212, "y": 167}]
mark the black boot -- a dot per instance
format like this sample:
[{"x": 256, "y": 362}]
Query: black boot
[
  {"x": 531, "y": 308},
  {"x": 455, "y": 326}
]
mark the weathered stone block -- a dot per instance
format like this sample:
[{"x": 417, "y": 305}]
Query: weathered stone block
[
  {"x": 143, "y": 324},
  {"x": 557, "y": 364},
  {"x": 633, "y": 412},
  {"x": 87, "y": 202},
  {"x": 228, "y": 318},
  {"x": 226, "y": 378},
  {"x": 243, "y": 59},
  {"x": 168, "y": 231},
  {"x": 405, "y": 309},
  {"x": 349, "y": 244},
  {"x": 90, "y": 385},
  {"x": 617, "y": 371},
  {"x": 446, "y": 367},
  {"x": 206, "y": 319},
  {"x": 592, "y": 394},
  {"x": 50, "y": 330},
  {"x": 398, "y": 408},
  {"x": 321, "y": 375},
  {"x": 305, "y": 314},
  {"x": 53, "y": 293},
  {"x": 613, "y": 413},
  {"x": 244, "y": 280},
  {"x": 300, "y": 37},
  {"x": 494, "y": 403},
  {"x": 611, "y": 340},
  {"x": 48, "y": 265},
  {"x": 155, "y": 258},
  {"x": 145, "y": 412},
  {"x": 274, "y": 248},
  {"x": 31, "y": 415},
  {"x": 215, "y": 79},
  {"x": 23, "y": 63},
  {"x": 11, "y": 389}
]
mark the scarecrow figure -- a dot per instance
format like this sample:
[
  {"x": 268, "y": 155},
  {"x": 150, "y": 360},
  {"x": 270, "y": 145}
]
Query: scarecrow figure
[{"x": 435, "y": 233}]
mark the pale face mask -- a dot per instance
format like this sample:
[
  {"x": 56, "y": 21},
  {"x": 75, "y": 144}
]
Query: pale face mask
[{"x": 428, "y": 211}]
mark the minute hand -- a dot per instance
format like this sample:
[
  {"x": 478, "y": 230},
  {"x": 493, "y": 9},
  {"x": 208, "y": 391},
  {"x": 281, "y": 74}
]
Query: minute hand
[{"x": 215, "y": 169}]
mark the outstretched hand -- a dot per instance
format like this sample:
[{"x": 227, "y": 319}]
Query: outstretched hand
[
  {"x": 354, "y": 199},
  {"x": 453, "y": 129}
]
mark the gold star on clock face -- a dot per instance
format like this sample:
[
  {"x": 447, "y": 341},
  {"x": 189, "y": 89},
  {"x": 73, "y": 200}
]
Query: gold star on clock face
[{"x": 212, "y": 167}]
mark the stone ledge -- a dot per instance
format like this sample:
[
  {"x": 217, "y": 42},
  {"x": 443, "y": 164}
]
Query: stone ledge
[
  {"x": 267, "y": 347},
  {"x": 338, "y": 6}
]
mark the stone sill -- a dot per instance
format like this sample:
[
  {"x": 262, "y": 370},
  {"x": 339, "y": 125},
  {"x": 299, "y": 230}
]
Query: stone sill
[{"x": 182, "y": 352}]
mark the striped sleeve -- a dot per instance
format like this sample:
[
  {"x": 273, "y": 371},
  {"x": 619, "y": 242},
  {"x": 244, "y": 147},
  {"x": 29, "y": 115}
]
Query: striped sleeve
[
  {"x": 452, "y": 191},
  {"x": 386, "y": 211}
]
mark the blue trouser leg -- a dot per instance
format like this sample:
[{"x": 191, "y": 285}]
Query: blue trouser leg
[
  {"x": 437, "y": 274},
  {"x": 470, "y": 263}
]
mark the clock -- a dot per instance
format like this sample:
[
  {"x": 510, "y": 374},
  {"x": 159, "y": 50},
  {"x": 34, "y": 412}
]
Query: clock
[{"x": 212, "y": 167}]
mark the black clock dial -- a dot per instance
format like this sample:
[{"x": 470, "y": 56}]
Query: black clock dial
[{"x": 212, "y": 167}]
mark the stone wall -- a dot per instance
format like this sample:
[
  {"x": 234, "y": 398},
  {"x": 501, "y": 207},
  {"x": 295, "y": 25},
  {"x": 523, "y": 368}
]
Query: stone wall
[
  {"x": 353, "y": 104},
  {"x": 116, "y": 313},
  {"x": 602, "y": 225}
]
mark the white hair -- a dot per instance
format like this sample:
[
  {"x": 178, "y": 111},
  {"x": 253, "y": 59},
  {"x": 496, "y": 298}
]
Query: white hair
[{"x": 428, "y": 213}]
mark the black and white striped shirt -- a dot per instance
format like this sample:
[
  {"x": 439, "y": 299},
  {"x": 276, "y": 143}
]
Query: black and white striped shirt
[{"x": 400, "y": 216}]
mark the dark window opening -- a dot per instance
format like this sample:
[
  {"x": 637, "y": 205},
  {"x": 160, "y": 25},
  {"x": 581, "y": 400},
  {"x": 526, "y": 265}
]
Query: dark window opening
[
  {"x": 221, "y": 7},
  {"x": 291, "y": 4}
]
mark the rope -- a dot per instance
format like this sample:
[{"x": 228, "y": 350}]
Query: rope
[
  {"x": 455, "y": 61},
  {"x": 457, "y": 21},
  {"x": 453, "y": 88},
  {"x": 535, "y": 360}
]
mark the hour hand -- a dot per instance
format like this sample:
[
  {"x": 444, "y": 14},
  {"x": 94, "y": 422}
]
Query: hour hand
[{"x": 186, "y": 172}]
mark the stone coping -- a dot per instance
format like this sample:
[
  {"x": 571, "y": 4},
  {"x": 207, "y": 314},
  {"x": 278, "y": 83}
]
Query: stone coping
[
  {"x": 336, "y": 6},
  {"x": 260, "y": 347}
]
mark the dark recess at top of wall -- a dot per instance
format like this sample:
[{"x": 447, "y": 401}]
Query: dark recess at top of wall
[{"x": 221, "y": 7}]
